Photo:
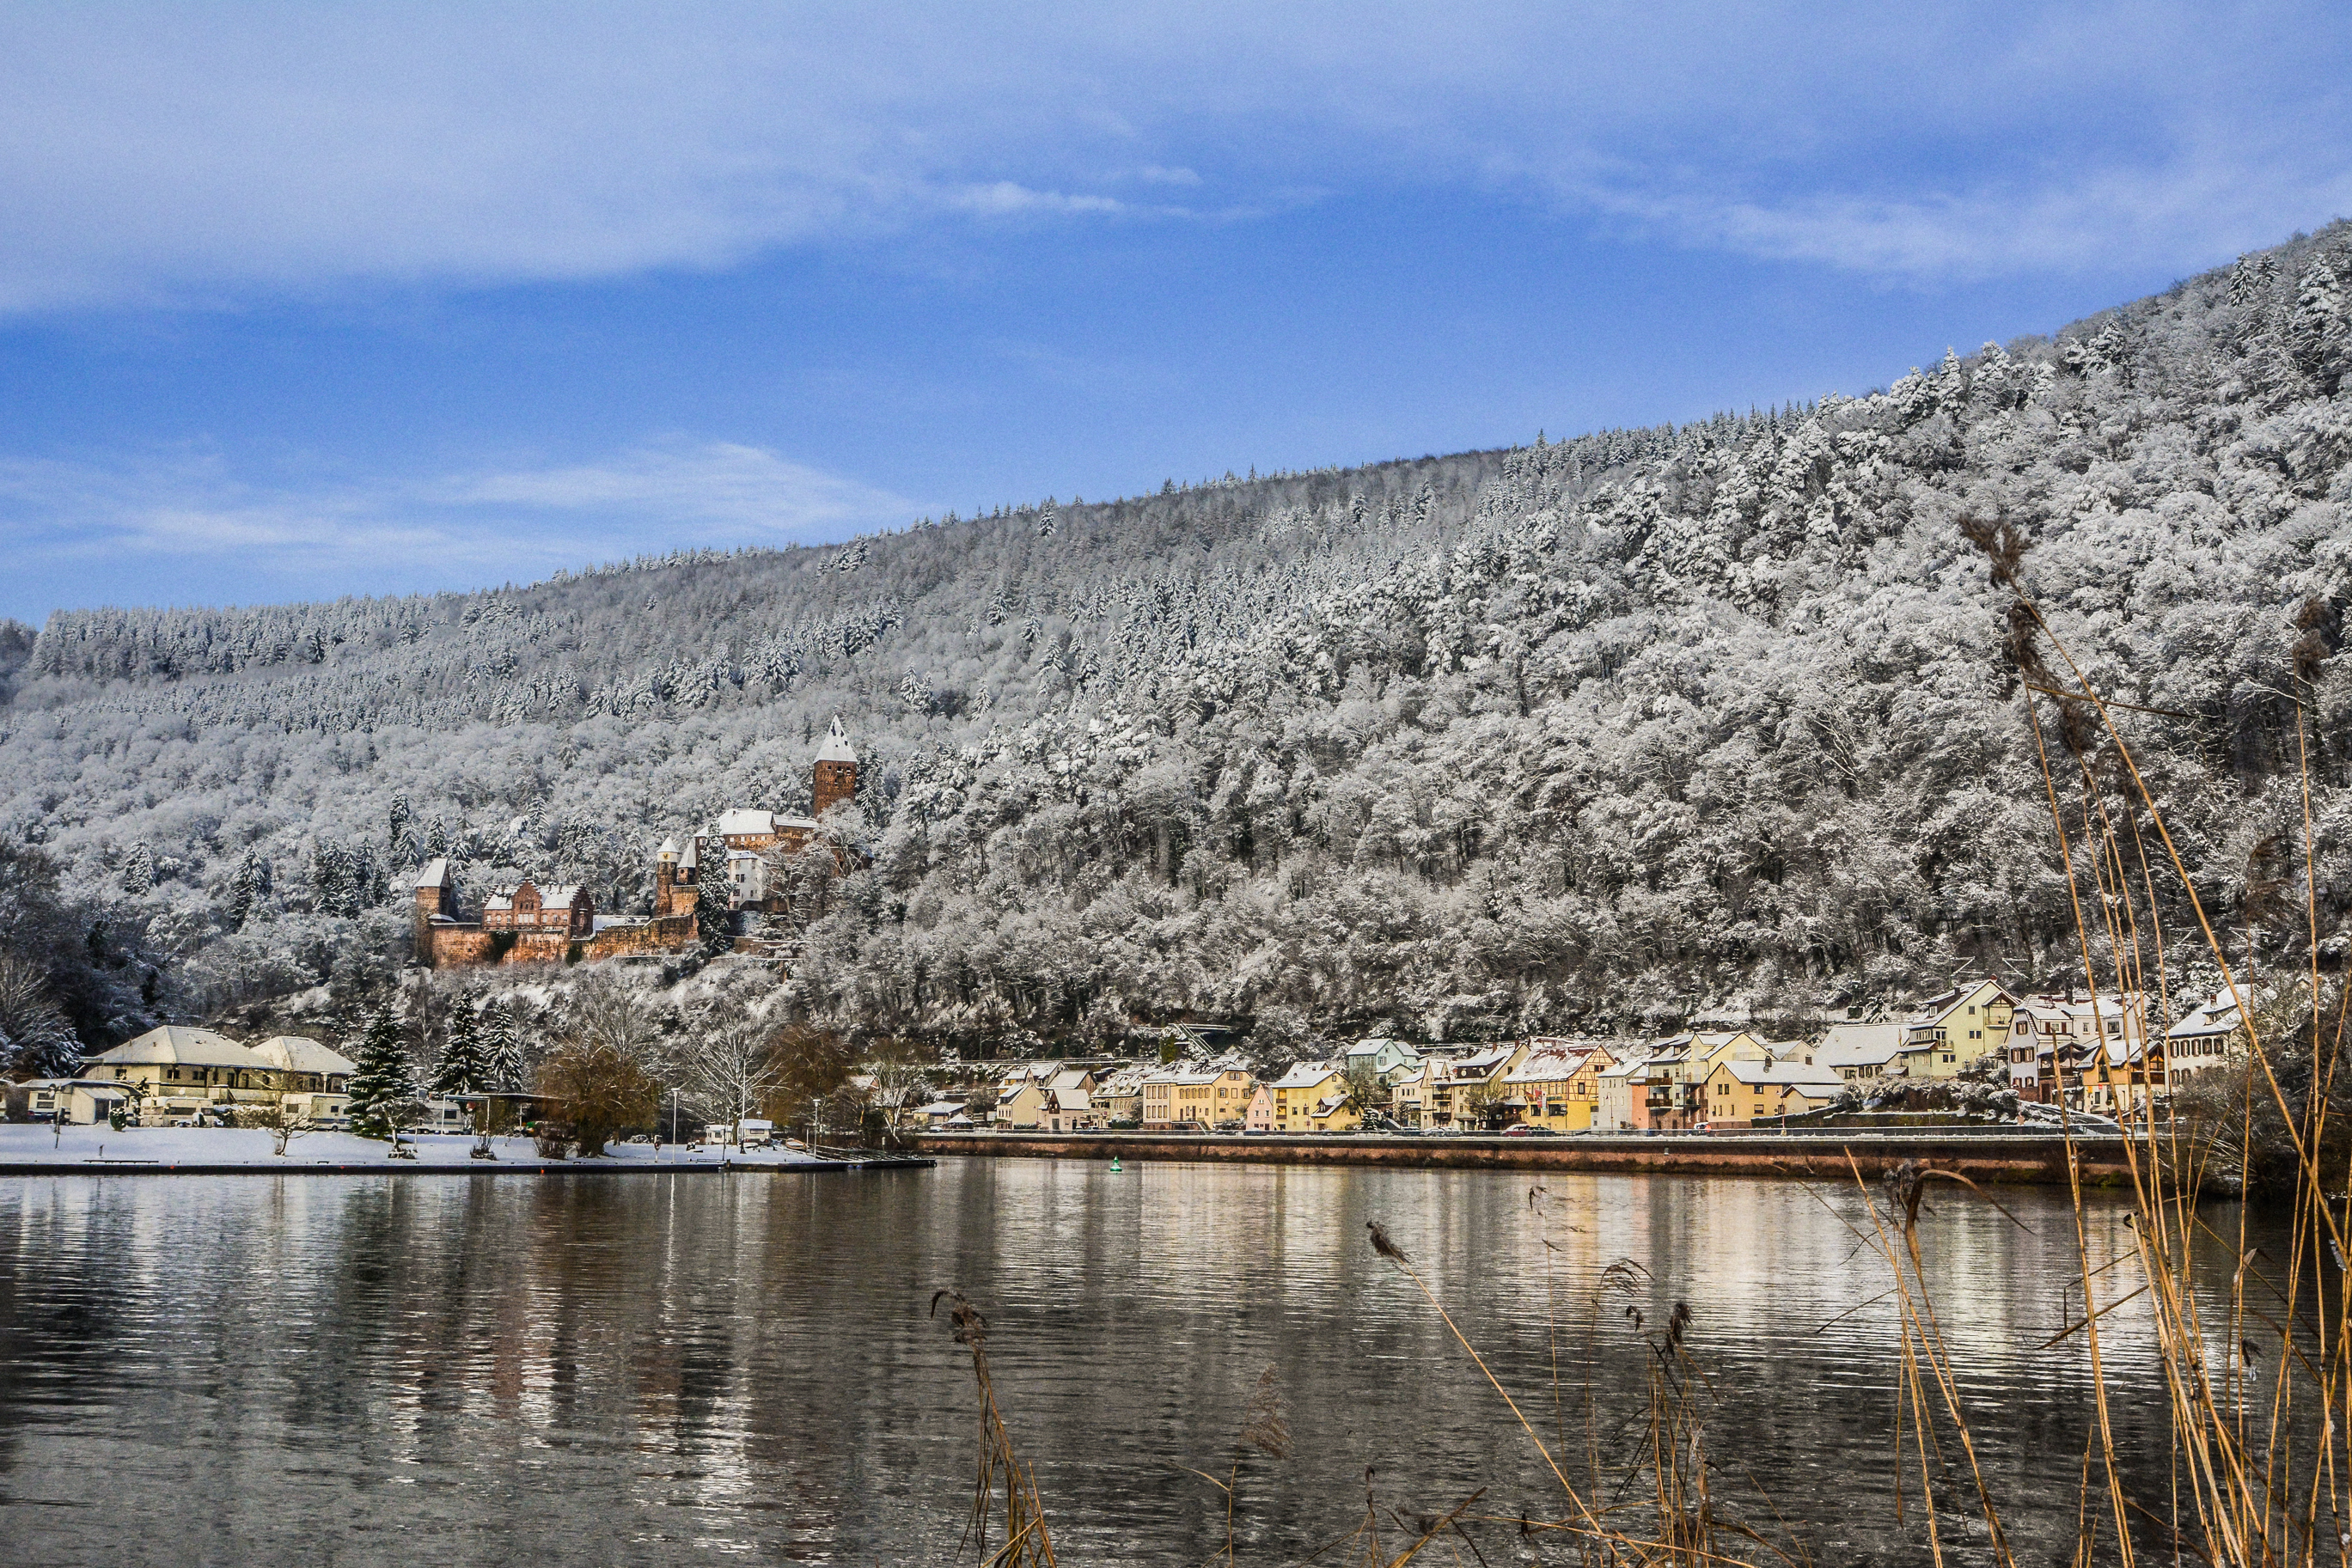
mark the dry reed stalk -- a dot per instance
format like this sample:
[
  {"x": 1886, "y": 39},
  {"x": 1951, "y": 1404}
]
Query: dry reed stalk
[
  {"x": 2244, "y": 1501},
  {"x": 1027, "y": 1542}
]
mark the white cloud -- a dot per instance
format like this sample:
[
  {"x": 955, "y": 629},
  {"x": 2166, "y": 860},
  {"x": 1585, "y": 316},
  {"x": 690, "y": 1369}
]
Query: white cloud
[
  {"x": 152, "y": 152},
  {"x": 520, "y": 522}
]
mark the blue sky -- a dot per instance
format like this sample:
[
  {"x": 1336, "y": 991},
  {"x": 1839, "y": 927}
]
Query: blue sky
[{"x": 303, "y": 300}]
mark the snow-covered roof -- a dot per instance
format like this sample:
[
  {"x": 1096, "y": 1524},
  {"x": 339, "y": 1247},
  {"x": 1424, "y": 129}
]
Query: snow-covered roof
[
  {"x": 1550, "y": 1064},
  {"x": 743, "y": 820},
  {"x": 300, "y": 1053},
  {"x": 2222, "y": 1015},
  {"x": 1859, "y": 1045},
  {"x": 1069, "y": 1078},
  {"x": 1787, "y": 1074},
  {"x": 178, "y": 1046},
  {"x": 668, "y": 847},
  {"x": 691, "y": 856},
  {"x": 608, "y": 922},
  {"x": 435, "y": 873},
  {"x": 559, "y": 894},
  {"x": 1376, "y": 1044},
  {"x": 1306, "y": 1075},
  {"x": 836, "y": 747}
]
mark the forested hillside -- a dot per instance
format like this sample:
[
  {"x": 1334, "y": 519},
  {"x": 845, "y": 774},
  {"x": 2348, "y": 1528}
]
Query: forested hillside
[{"x": 1606, "y": 732}]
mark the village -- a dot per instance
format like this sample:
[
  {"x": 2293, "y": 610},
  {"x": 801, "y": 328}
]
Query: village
[{"x": 2095, "y": 1056}]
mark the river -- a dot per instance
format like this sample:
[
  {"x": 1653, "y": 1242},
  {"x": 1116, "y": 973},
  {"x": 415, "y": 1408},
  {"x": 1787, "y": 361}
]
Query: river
[{"x": 327, "y": 1370}]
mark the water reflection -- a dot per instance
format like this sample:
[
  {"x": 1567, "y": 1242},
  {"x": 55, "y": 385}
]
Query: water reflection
[{"x": 459, "y": 1369}]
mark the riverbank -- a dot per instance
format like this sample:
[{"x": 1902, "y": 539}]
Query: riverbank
[
  {"x": 1985, "y": 1156},
  {"x": 35, "y": 1150}
]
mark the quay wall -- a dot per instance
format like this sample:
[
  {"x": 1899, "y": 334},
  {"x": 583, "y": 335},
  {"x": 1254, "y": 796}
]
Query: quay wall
[{"x": 2022, "y": 1157}]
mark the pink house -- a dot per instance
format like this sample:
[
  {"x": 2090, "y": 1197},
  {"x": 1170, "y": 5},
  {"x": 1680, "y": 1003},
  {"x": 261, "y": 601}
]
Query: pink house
[{"x": 1259, "y": 1117}]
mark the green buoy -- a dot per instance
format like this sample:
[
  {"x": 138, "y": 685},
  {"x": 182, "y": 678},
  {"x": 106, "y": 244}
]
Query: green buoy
[{"x": 1114, "y": 1164}]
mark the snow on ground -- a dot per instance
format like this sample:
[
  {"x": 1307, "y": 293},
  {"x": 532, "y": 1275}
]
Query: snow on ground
[{"x": 38, "y": 1144}]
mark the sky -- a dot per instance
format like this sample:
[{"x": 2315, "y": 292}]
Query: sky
[{"x": 303, "y": 302}]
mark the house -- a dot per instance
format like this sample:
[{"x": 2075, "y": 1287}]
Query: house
[
  {"x": 1259, "y": 1117},
  {"x": 1119, "y": 1095},
  {"x": 2120, "y": 1077},
  {"x": 314, "y": 1082},
  {"x": 1948, "y": 1032},
  {"x": 1860, "y": 1052},
  {"x": 1556, "y": 1084},
  {"x": 1387, "y": 1058},
  {"x": 1673, "y": 1087},
  {"x": 76, "y": 1102},
  {"x": 185, "y": 1070},
  {"x": 1408, "y": 1096},
  {"x": 1298, "y": 1092},
  {"x": 2053, "y": 1039},
  {"x": 1202, "y": 1097},
  {"x": 2212, "y": 1034},
  {"x": 1618, "y": 1100},
  {"x": 1335, "y": 1112},
  {"x": 1069, "y": 1109},
  {"x": 1047, "y": 1094},
  {"x": 1740, "y": 1089},
  {"x": 1464, "y": 1087}
]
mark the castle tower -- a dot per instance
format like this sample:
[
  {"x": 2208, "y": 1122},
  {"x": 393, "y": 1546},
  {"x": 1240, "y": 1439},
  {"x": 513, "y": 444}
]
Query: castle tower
[
  {"x": 836, "y": 772},
  {"x": 437, "y": 895},
  {"x": 665, "y": 875}
]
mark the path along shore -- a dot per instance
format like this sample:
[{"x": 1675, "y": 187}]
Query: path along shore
[{"x": 1990, "y": 1154}]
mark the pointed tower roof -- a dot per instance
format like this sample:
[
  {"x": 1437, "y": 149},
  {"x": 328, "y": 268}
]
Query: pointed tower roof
[
  {"x": 668, "y": 847},
  {"x": 837, "y": 744}
]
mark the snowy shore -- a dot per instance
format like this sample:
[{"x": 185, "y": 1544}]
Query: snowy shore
[{"x": 212, "y": 1148}]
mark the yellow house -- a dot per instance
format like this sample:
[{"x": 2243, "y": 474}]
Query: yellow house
[
  {"x": 1557, "y": 1085},
  {"x": 1298, "y": 1092},
  {"x": 1406, "y": 1095},
  {"x": 1742, "y": 1089},
  {"x": 313, "y": 1081},
  {"x": 1333, "y": 1114},
  {"x": 185, "y": 1070},
  {"x": 1187, "y": 1096},
  {"x": 1949, "y": 1031}
]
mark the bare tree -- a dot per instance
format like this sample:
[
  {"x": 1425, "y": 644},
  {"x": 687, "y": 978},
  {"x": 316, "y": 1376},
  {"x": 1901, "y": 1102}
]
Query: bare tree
[{"x": 729, "y": 1066}]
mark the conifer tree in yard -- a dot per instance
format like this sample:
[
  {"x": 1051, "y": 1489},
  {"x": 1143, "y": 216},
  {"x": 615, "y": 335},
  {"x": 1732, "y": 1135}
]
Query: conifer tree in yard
[
  {"x": 384, "y": 1090},
  {"x": 465, "y": 1064},
  {"x": 502, "y": 1048}
]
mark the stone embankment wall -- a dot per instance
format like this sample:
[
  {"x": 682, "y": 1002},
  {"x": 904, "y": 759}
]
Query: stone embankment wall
[{"x": 1981, "y": 1156}]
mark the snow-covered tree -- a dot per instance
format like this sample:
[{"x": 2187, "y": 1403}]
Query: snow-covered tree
[{"x": 383, "y": 1096}]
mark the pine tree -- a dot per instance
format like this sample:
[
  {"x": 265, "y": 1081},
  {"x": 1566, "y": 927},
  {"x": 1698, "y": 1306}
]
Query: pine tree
[
  {"x": 383, "y": 1090},
  {"x": 248, "y": 888},
  {"x": 502, "y": 1049},
  {"x": 138, "y": 870},
  {"x": 714, "y": 923},
  {"x": 465, "y": 1064}
]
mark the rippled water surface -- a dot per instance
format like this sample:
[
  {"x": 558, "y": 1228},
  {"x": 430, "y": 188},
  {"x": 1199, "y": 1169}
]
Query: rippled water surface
[{"x": 699, "y": 1369}]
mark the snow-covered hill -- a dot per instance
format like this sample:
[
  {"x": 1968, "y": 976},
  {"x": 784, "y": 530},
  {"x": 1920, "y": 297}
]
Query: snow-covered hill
[{"x": 1619, "y": 728}]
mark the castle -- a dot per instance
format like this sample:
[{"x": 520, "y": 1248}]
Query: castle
[{"x": 732, "y": 856}]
